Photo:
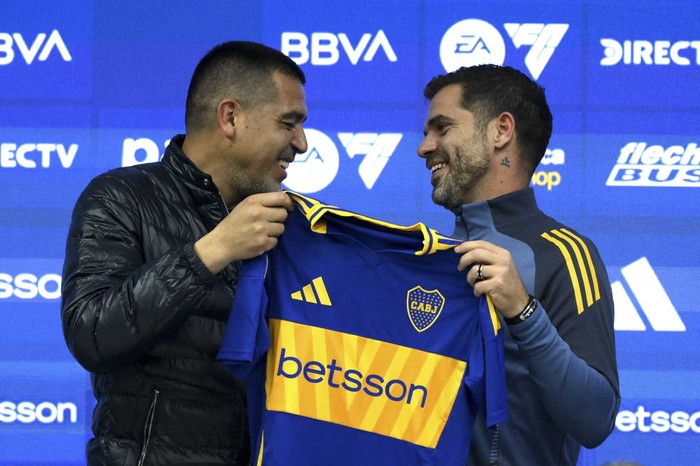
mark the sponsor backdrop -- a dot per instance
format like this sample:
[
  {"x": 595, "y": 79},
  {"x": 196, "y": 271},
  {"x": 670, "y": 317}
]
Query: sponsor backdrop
[{"x": 89, "y": 86}]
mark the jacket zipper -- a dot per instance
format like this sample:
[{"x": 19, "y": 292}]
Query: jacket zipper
[
  {"x": 225, "y": 272},
  {"x": 493, "y": 455},
  {"x": 147, "y": 427}
]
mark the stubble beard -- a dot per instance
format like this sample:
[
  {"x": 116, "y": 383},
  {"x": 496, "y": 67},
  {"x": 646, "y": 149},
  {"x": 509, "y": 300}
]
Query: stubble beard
[
  {"x": 246, "y": 186},
  {"x": 466, "y": 169}
]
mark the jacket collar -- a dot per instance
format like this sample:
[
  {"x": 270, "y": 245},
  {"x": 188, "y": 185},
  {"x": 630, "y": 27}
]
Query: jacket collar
[
  {"x": 475, "y": 219},
  {"x": 200, "y": 185}
]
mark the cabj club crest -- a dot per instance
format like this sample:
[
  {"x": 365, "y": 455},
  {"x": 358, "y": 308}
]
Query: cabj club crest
[{"x": 423, "y": 307}]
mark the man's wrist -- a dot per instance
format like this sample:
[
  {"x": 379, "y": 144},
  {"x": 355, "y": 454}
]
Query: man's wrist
[{"x": 524, "y": 314}]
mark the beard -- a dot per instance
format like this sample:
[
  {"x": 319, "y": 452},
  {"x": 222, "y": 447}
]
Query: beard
[
  {"x": 467, "y": 166},
  {"x": 245, "y": 186}
]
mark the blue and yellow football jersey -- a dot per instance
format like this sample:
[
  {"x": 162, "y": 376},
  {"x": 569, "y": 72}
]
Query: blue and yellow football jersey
[{"x": 361, "y": 344}]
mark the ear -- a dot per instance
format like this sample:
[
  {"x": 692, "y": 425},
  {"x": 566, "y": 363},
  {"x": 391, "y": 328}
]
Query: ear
[
  {"x": 504, "y": 129},
  {"x": 228, "y": 114}
]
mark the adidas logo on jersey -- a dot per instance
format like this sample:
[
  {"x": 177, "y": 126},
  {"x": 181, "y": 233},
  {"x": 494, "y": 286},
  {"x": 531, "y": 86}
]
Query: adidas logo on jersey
[
  {"x": 314, "y": 293},
  {"x": 651, "y": 296}
]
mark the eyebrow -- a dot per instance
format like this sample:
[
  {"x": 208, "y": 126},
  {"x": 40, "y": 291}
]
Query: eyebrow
[
  {"x": 296, "y": 116},
  {"x": 436, "y": 121}
]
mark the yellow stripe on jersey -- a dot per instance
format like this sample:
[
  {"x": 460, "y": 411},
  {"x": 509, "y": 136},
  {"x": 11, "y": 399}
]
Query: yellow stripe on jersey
[
  {"x": 570, "y": 267},
  {"x": 309, "y": 296},
  {"x": 495, "y": 321},
  {"x": 321, "y": 291},
  {"x": 362, "y": 383},
  {"x": 260, "y": 452},
  {"x": 314, "y": 212}
]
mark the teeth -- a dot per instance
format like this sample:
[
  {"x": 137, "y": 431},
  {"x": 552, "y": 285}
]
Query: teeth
[
  {"x": 284, "y": 164},
  {"x": 434, "y": 168}
]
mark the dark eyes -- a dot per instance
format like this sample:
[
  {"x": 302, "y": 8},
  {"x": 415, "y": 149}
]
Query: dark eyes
[{"x": 442, "y": 128}]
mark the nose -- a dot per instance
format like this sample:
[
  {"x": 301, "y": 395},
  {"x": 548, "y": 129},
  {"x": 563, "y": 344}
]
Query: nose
[
  {"x": 426, "y": 147},
  {"x": 299, "y": 143}
]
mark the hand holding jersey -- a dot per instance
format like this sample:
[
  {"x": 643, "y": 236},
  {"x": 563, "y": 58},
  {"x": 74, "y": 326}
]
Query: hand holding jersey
[
  {"x": 249, "y": 230},
  {"x": 501, "y": 279}
]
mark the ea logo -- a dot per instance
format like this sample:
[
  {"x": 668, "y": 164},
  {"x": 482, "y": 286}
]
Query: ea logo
[
  {"x": 316, "y": 168},
  {"x": 471, "y": 42}
]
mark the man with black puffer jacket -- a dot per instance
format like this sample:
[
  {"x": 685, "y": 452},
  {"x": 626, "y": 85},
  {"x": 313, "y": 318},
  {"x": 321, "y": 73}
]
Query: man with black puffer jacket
[{"x": 152, "y": 257}]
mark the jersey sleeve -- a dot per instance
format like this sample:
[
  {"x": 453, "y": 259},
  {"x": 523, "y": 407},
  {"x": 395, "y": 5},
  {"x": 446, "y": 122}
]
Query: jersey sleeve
[
  {"x": 486, "y": 376},
  {"x": 246, "y": 337},
  {"x": 578, "y": 300}
]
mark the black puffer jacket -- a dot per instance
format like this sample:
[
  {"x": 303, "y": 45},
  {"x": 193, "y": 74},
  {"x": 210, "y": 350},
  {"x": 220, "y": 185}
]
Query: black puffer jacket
[{"x": 144, "y": 315}]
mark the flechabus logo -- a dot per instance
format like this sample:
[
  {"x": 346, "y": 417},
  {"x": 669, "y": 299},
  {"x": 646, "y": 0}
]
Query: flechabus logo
[
  {"x": 40, "y": 47},
  {"x": 27, "y": 412},
  {"x": 644, "y": 52},
  {"x": 474, "y": 42},
  {"x": 30, "y": 286},
  {"x": 545, "y": 177},
  {"x": 36, "y": 155},
  {"x": 641, "y": 164},
  {"x": 326, "y": 48},
  {"x": 653, "y": 301},
  {"x": 645, "y": 421}
]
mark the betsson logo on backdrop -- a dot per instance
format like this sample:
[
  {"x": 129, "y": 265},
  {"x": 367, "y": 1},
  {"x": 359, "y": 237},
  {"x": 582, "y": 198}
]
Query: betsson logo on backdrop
[
  {"x": 644, "y": 52},
  {"x": 326, "y": 48},
  {"x": 315, "y": 169},
  {"x": 27, "y": 412},
  {"x": 16, "y": 45},
  {"x": 645, "y": 421},
  {"x": 474, "y": 42},
  {"x": 649, "y": 165},
  {"x": 30, "y": 286}
]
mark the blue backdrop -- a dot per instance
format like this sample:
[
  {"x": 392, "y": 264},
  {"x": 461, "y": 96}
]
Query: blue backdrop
[{"x": 88, "y": 86}]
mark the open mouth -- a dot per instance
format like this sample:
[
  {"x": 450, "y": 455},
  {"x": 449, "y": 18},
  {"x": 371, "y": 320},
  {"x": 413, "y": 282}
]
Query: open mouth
[{"x": 437, "y": 167}]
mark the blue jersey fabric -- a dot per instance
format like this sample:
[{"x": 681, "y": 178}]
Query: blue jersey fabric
[{"x": 360, "y": 343}]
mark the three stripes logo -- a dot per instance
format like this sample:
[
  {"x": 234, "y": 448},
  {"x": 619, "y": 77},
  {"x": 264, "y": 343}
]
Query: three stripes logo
[
  {"x": 579, "y": 264},
  {"x": 651, "y": 296},
  {"x": 314, "y": 293}
]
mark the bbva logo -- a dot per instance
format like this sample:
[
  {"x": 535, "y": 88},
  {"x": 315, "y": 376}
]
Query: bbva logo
[{"x": 40, "y": 47}]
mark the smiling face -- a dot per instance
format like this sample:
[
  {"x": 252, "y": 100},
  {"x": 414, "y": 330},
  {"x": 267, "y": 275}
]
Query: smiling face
[
  {"x": 267, "y": 139},
  {"x": 455, "y": 150}
]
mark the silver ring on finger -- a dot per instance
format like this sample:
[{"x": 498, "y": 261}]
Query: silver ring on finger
[{"x": 480, "y": 272}]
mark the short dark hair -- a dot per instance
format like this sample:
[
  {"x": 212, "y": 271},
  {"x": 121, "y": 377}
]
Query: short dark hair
[
  {"x": 239, "y": 69},
  {"x": 489, "y": 90}
]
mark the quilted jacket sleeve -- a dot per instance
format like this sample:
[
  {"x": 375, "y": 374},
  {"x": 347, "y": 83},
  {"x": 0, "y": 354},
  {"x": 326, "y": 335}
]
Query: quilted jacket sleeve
[{"x": 115, "y": 304}]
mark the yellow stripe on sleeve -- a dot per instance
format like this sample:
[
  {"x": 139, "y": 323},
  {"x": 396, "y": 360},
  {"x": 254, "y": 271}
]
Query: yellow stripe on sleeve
[
  {"x": 587, "y": 253},
  {"x": 570, "y": 267},
  {"x": 581, "y": 266}
]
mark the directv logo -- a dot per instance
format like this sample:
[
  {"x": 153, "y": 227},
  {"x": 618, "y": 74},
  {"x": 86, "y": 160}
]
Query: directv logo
[
  {"x": 641, "y": 165},
  {"x": 652, "y": 298}
]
